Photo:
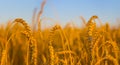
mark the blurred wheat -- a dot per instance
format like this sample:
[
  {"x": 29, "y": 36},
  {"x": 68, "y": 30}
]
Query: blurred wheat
[{"x": 21, "y": 44}]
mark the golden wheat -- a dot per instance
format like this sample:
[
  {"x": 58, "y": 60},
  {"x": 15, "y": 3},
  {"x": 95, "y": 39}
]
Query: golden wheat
[{"x": 91, "y": 45}]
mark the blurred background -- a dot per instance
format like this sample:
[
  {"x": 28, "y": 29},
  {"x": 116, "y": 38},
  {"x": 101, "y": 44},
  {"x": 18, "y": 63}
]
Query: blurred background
[{"x": 61, "y": 11}]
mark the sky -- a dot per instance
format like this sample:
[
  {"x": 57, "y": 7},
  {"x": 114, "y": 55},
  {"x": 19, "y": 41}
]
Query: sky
[{"x": 61, "y": 11}]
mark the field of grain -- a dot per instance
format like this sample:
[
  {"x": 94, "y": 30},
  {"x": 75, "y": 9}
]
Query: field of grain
[
  {"x": 24, "y": 44},
  {"x": 21, "y": 44}
]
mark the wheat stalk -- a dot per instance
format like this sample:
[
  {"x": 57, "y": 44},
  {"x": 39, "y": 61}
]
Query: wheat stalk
[{"x": 32, "y": 46}]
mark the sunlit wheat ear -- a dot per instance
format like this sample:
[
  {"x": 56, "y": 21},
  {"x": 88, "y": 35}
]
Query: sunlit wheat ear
[
  {"x": 32, "y": 45},
  {"x": 19, "y": 20},
  {"x": 91, "y": 25},
  {"x": 51, "y": 49}
]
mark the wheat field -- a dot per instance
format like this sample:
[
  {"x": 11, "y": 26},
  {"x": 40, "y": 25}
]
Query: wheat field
[{"x": 24, "y": 44}]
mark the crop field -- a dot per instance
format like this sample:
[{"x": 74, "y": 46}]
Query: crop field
[{"x": 24, "y": 44}]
